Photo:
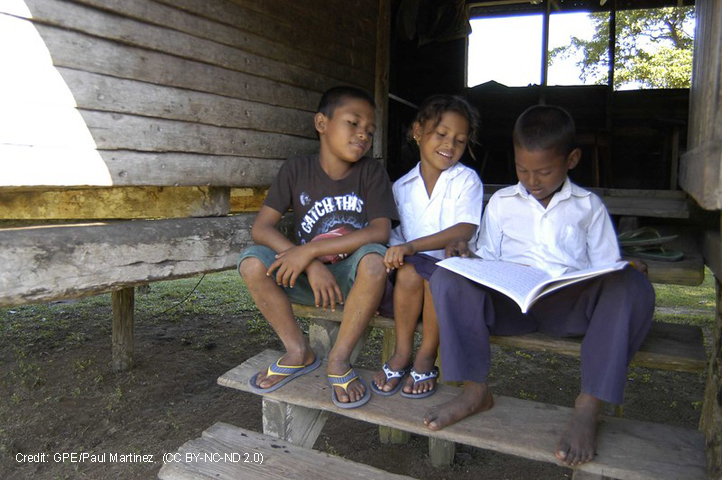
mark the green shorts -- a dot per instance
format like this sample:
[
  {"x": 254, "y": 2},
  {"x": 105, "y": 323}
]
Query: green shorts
[{"x": 344, "y": 271}]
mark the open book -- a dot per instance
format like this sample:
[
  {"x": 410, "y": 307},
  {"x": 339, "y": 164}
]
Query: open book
[{"x": 522, "y": 283}]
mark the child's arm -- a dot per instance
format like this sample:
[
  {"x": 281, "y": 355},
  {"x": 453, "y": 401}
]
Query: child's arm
[{"x": 461, "y": 231}]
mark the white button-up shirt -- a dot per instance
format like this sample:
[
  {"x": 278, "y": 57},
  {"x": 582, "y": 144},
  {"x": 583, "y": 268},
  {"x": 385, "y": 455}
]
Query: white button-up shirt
[
  {"x": 457, "y": 198},
  {"x": 574, "y": 232}
]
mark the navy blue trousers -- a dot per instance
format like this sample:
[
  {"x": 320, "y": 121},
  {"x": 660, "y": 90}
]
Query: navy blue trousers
[{"x": 613, "y": 312}]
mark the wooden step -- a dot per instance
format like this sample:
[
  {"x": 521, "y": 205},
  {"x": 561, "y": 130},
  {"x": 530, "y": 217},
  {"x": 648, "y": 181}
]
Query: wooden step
[
  {"x": 228, "y": 452},
  {"x": 669, "y": 346},
  {"x": 627, "y": 449}
]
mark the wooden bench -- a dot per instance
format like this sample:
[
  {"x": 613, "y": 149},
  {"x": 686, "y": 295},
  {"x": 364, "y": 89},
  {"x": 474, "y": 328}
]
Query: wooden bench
[
  {"x": 668, "y": 346},
  {"x": 626, "y": 448},
  {"x": 227, "y": 452}
]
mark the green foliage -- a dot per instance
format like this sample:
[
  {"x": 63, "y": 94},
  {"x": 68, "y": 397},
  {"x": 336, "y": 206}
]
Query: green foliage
[{"x": 653, "y": 48}]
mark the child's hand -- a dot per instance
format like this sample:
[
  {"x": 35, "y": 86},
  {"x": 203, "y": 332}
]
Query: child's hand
[
  {"x": 289, "y": 265},
  {"x": 394, "y": 257},
  {"x": 325, "y": 289},
  {"x": 457, "y": 248},
  {"x": 638, "y": 264}
]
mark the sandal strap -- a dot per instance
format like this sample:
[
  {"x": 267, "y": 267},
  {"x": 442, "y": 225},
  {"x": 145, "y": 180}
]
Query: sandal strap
[
  {"x": 283, "y": 370},
  {"x": 393, "y": 373},
  {"x": 420, "y": 377},
  {"x": 343, "y": 380}
]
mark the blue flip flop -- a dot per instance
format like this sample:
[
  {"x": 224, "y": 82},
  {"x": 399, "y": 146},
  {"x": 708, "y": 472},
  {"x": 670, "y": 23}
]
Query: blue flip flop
[
  {"x": 289, "y": 371},
  {"x": 390, "y": 373},
  {"x": 420, "y": 377},
  {"x": 343, "y": 381}
]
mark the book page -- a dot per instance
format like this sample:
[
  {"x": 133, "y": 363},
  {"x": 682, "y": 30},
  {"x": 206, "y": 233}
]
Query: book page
[
  {"x": 511, "y": 279},
  {"x": 568, "y": 278}
]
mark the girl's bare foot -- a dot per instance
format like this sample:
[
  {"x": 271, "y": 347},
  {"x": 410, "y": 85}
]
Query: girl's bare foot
[
  {"x": 474, "y": 398},
  {"x": 396, "y": 362},
  {"x": 578, "y": 442}
]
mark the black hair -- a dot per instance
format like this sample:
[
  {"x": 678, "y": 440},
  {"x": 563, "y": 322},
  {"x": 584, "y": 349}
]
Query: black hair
[
  {"x": 544, "y": 127},
  {"x": 435, "y": 106},
  {"x": 334, "y": 97}
]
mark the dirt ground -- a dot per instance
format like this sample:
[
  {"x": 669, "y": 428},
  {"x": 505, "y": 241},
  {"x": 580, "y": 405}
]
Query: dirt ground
[{"x": 60, "y": 396}]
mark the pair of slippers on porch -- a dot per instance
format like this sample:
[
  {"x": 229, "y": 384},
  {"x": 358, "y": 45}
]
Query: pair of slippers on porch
[
  {"x": 293, "y": 371},
  {"x": 647, "y": 243},
  {"x": 401, "y": 375}
]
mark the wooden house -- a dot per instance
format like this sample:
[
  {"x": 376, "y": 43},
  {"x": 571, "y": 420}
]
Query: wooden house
[{"x": 137, "y": 137}]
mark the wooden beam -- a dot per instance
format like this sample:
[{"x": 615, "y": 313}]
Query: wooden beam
[
  {"x": 51, "y": 263},
  {"x": 123, "y": 302},
  {"x": 105, "y": 203},
  {"x": 381, "y": 88},
  {"x": 247, "y": 199}
]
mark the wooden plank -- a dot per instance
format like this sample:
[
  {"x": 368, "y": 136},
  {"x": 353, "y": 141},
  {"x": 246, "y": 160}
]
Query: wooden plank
[
  {"x": 110, "y": 94},
  {"x": 125, "y": 30},
  {"x": 668, "y": 346},
  {"x": 251, "y": 455},
  {"x": 237, "y": 15},
  {"x": 626, "y": 449},
  {"x": 201, "y": 27},
  {"x": 51, "y": 263},
  {"x": 700, "y": 174},
  {"x": 47, "y": 166},
  {"x": 113, "y": 131},
  {"x": 107, "y": 203},
  {"x": 93, "y": 54},
  {"x": 632, "y": 202},
  {"x": 688, "y": 271},
  {"x": 123, "y": 302},
  {"x": 352, "y": 25},
  {"x": 247, "y": 199}
]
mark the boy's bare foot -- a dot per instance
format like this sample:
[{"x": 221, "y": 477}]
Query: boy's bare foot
[
  {"x": 396, "y": 362},
  {"x": 306, "y": 357},
  {"x": 422, "y": 364},
  {"x": 578, "y": 442},
  {"x": 474, "y": 398},
  {"x": 355, "y": 390}
]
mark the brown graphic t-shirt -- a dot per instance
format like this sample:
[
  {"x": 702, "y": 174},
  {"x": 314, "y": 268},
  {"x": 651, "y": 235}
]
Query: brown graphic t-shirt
[{"x": 323, "y": 207}]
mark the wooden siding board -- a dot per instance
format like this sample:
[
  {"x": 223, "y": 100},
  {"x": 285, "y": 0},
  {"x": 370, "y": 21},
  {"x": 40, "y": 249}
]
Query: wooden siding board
[
  {"x": 348, "y": 26},
  {"x": 182, "y": 21},
  {"x": 114, "y": 131},
  {"x": 110, "y": 94},
  {"x": 82, "y": 52},
  {"x": 124, "y": 30},
  {"x": 248, "y": 20}
]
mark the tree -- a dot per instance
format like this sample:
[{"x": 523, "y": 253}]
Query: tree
[{"x": 653, "y": 48}]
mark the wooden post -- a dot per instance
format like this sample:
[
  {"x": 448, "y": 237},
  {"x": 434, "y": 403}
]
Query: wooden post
[
  {"x": 123, "y": 302},
  {"x": 298, "y": 425},
  {"x": 381, "y": 87},
  {"x": 441, "y": 452},
  {"x": 387, "y": 434}
]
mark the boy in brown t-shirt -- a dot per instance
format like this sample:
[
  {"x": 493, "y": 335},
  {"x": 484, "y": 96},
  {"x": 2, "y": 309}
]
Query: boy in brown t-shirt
[{"x": 343, "y": 208}]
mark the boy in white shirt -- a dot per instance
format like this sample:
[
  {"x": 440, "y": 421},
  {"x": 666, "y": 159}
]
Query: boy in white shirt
[{"x": 547, "y": 222}]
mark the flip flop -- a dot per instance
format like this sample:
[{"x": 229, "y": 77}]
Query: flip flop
[
  {"x": 642, "y": 237},
  {"x": 343, "y": 381},
  {"x": 400, "y": 374},
  {"x": 289, "y": 371},
  {"x": 653, "y": 253},
  {"x": 420, "y": 377}
]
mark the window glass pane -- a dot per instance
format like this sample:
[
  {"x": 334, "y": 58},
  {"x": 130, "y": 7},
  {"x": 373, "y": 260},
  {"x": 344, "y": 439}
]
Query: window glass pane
[
  {"x": 568, "y": 34},
  {"x": 506, "y": 50}
]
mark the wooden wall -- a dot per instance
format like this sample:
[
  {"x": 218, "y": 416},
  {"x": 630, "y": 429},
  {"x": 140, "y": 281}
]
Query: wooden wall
[
  {"x": 129, "y": 109},
  {"x": 175, "y": 92},
  {"x": 701, "y": 165}
]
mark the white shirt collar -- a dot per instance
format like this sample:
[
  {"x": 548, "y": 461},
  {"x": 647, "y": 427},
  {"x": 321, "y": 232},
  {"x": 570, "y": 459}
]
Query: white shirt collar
[
  {"x": 568, "y": 189},
  {"x": 450, "y": 172}
]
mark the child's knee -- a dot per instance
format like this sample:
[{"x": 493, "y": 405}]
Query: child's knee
[
  {"x": 252, "y": 268},
  {"x": 407, "y": 277},
  {"x": 372, "y": 267}
]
